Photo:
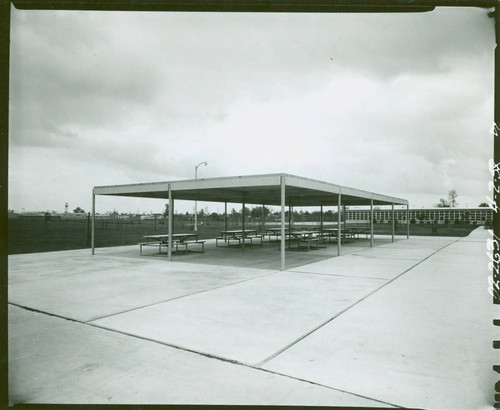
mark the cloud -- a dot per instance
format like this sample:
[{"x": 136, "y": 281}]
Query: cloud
[
  {"x": 399, "y": 104},
  {"x": 62, "y": 77}
]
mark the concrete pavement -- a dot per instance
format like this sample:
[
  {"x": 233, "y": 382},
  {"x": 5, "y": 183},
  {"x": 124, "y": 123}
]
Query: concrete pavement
[{"x": 407, "y": 323}]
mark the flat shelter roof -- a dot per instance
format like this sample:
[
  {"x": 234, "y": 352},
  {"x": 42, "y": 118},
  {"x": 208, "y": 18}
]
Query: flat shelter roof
[{"x": 252, "y": 189}]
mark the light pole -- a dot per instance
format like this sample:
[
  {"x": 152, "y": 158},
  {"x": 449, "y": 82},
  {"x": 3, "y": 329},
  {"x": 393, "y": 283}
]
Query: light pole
[{"x": 195, "y": 202}]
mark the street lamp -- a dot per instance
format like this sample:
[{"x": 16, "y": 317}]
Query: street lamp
[{"x": 195, "y": 202}]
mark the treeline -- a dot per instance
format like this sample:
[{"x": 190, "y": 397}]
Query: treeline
[{"x": 259, "y": 214}]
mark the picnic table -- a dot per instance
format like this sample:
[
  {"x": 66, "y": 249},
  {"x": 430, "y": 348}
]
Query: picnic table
[
  {"x": 275, "y": 232},
  {"x": 330, "y": 233},
  {"x": 236, "y": 237},
  {"x": 360, "y": 231},
  {"x": 305, "y": 240},
  {"x": 182, "y": 240},
  {"x": 347, "y": 234}
]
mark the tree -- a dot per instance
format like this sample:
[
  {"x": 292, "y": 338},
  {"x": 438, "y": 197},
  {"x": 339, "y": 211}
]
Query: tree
[
  {"x": 452, "y": 195},
  {"x": 443, "y": 203},
  {"x": 165, "y": 212},
  {"x": 78, "y": 210},
  {"x": 235, "y": 215},
  {"x": 483, "y": 205},
  {"x": 256, "y": 212},
  {"x": 247, "y": 212}
]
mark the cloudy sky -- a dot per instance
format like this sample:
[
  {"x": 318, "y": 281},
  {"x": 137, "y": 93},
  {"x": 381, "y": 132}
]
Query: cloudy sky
[{"x": 399, "y": 104}]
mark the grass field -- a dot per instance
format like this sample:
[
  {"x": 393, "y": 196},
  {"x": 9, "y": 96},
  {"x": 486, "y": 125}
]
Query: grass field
[{"x": 39, "y": 235}]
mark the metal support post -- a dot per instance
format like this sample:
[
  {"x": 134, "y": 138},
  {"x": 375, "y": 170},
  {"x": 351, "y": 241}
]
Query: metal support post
[
  {"x": 170, "y": 222},
  {"x": 408, "y": 221},
  {"x": 321, "y": 218},
  {"x": 173, "y": 215},
  {"x": 243, "y": 223},
  {"x": 225, "y": 216},
  {"x": 93, "y": 222},
  {"x": 195, "y": 216},
  {"x": 263, "y": 219},
  {"x": 371, "y": 223},
  {"x": 283, "y": 242},
  {"x": 393, "y": 222},
  {"x": 339, "y": 223}
]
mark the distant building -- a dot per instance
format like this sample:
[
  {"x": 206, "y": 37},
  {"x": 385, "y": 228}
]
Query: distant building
[
  {"x": 151, "y": 217},
  {"x": 46, "y": 215},
  {"x": 423, "y": 215}
]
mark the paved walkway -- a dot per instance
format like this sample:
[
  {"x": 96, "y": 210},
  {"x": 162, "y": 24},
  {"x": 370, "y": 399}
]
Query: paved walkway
[{"x": 401, "y": 324}]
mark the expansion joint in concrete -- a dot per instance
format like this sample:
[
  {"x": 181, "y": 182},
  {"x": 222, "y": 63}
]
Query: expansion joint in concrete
[
  {"x": 288, "y": 346},
  {"x": 207, "y": 355},
  {"x": 180, "y": 297},
  {"x": 324, "y": 386},
  {"x": 337, "y": 275}
]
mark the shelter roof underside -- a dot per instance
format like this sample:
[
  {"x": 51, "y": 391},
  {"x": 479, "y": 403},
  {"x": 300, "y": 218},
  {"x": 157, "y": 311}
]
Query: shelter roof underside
[{"x": 255, "y": 189}]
